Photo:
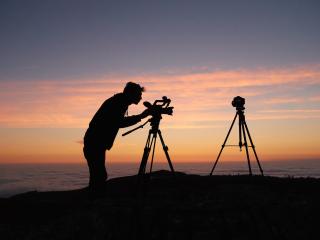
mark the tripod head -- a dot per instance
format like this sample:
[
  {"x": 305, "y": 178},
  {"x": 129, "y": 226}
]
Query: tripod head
[
  {"x": 159, "y": 107},
  {"x": 238, "y": 102}
]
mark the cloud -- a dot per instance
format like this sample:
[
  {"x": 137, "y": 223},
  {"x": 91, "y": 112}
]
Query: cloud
[
  {"x": 314, "y": 99},
  {"x": 197, "y": 96},
  {"x": 284, "y": 100}
]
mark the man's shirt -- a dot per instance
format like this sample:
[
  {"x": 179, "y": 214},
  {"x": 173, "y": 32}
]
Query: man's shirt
[{"x": 105, "y": 124}]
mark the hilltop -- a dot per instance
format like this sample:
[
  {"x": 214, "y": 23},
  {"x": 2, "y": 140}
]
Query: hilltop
[{"x": 184, "y": 207}]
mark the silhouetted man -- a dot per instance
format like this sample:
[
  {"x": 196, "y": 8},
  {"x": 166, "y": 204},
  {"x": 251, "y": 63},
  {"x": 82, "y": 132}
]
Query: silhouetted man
[{"x": 104, "y": 127}]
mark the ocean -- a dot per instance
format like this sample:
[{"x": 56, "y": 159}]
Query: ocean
[{"x": 19, "y": 178}]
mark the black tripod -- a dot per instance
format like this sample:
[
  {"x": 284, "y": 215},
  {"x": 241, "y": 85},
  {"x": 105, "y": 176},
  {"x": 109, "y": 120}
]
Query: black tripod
[
  {"x": 243, "y": 130},
  {"x": 151, "y": 144}
]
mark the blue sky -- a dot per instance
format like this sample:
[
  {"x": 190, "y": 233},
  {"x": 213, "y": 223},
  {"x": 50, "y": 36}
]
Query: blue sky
[{"x": 68, "y": 39}]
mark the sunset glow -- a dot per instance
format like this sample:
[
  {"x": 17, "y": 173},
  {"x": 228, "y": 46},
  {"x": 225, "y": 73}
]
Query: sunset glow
[
  {"x": 47, "y": 119},
  {"x": 49, "y": 95}
]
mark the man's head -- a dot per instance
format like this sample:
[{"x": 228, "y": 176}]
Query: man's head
[{"x": 133, "y": 92}]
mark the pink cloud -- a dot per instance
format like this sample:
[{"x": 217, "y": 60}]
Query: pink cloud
[
  {"x": 314, "y": 99},
  {"x": 282, "y": 100},
  {"x": 197, "y": 96}
]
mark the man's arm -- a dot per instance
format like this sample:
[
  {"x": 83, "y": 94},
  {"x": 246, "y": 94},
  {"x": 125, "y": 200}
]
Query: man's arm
[
  {"x": 129, "y": 121},
  {"x": 132, "y": 120}
]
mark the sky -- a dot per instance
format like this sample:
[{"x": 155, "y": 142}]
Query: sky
[{"x": 59, "y": 60}]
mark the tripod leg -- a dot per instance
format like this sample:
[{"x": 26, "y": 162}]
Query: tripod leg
[
  {"x": 165, "y": 148},
  {"x": 154, "y": 140},
  {"x": 224, "y": 143},
  {"x": 240, "y": 129},
  {"x": 246, "y": 144},
  {"x": 145, "y": 156},
  {"x": 253, "y": 148}
]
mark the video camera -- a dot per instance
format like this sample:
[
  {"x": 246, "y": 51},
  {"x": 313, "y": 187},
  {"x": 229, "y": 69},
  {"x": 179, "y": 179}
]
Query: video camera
[
  {"x": 160, "y": 106},
  {"x": 238, "y": 102}
]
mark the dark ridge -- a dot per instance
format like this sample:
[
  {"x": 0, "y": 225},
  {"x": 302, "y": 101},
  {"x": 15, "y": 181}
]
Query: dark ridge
[{"x": 183, "y": 207}]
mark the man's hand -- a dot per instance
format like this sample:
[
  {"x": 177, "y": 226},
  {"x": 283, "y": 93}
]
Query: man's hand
[{"x": 145, "y": 113}]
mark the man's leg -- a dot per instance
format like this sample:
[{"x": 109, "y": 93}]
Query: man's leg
[{"x": 96, "y": 163}]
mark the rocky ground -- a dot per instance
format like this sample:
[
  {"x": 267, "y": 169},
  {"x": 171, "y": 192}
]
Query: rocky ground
[{"x": 183, "y": 207}]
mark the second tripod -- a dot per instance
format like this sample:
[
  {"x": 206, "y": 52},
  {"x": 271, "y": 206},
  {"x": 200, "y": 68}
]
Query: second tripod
[{"x": 238, "y": 102}]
